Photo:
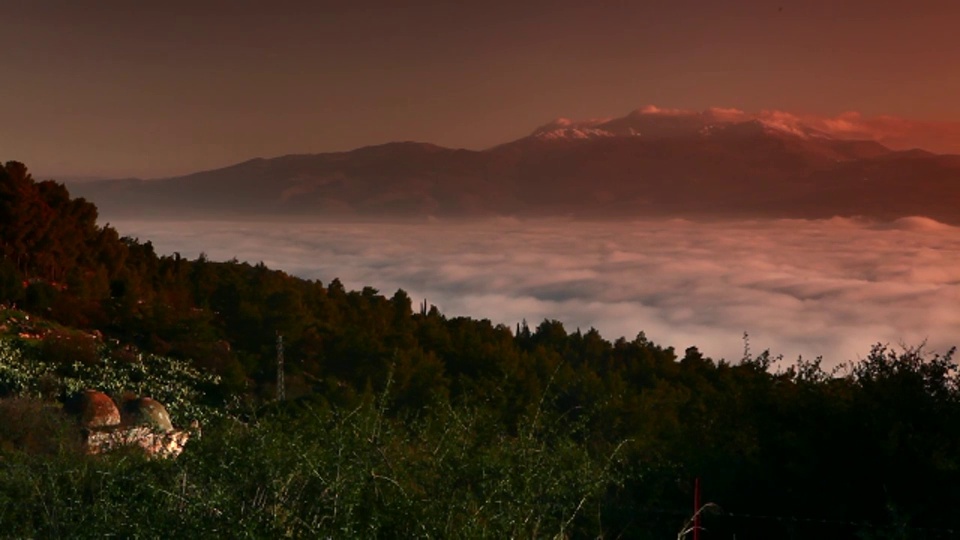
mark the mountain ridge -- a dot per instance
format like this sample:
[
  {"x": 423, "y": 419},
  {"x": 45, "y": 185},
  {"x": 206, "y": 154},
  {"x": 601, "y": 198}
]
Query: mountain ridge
[{"x": 651, "y": 162}]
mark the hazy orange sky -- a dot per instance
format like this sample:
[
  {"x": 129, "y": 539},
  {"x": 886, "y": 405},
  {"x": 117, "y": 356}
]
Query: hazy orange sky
[{"x": 116, "y": 88}]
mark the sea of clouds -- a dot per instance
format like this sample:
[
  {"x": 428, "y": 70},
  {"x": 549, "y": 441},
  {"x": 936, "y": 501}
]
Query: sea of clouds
[{"x": 828, "y": 288}]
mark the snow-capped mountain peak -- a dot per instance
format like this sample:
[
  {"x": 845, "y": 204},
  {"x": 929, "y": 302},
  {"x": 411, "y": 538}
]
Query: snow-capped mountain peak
[
  {"x": 565, "y": 128},
  {"x": 656, "y": 123}
]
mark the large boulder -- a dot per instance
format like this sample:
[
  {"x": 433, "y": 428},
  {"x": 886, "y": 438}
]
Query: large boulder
[
  {"x": 140, "y": 422},
  {"x": 97, "y": 410},
  {"x": 145, "y": 411}
]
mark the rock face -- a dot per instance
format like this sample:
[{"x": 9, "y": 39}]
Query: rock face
[{"x": 144, "y": 423}]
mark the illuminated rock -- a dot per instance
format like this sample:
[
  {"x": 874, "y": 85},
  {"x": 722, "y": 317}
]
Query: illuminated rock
[
  {"x": 145, "y": 411},
  {"x": 144, "y": 423},
  {"x": 97, "y": 410},
  {"x": 154, "y": 443}
]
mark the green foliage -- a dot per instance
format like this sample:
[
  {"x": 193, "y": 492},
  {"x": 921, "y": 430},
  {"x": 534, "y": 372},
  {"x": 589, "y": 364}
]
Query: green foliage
[
  {"x": 62, "y": 347},
  {"x": 307, "y": 474},
  {"x": 26, "y": 370}
]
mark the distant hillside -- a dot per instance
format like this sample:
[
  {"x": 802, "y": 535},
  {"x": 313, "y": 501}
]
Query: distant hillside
[{"x": 645, "y": 164}]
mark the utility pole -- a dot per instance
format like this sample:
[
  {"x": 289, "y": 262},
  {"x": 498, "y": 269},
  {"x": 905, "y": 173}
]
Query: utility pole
[{"x": 281, "y": 392}]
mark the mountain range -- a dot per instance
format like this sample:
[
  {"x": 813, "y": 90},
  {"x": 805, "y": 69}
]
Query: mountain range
[{"x": 650, "y": 163}]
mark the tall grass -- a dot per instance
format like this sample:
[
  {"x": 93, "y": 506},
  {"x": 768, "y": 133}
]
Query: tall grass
[{"x": 310, "y": 473}]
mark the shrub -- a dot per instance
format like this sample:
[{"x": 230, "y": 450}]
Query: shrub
[
  {"x": 39, "y": 296},
  {"x": 36, "y": 427},
  {"x": 65, "y": 348}
]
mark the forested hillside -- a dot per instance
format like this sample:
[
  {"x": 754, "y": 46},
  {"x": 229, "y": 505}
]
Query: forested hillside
[{"x": 481, "y": 429}]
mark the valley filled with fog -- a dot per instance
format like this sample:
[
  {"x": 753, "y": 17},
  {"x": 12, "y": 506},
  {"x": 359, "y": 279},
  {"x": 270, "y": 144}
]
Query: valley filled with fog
[{"x": 828, "y": 288}]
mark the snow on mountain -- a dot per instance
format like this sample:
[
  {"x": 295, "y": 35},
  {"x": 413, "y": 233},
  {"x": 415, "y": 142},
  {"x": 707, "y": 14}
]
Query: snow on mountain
[
  {"x": 650, "y": 162},
  {"x": 564, "y": 128},
  {"x": 656, "y": 123}
]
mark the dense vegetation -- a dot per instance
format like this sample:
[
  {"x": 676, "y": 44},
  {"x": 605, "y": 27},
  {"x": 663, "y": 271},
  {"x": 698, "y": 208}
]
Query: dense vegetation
[{"x": 403, "y": 422}]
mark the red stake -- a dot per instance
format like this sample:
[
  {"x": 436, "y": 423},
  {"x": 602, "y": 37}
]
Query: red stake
[{"x": 696, "y": 509}]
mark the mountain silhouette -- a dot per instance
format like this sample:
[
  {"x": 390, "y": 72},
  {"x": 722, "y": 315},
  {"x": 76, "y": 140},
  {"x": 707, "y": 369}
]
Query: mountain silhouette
[{"x": 648, "y": 163}]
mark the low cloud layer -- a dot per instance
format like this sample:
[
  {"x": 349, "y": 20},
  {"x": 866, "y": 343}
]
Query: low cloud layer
[{"x": 810, "y": 288}]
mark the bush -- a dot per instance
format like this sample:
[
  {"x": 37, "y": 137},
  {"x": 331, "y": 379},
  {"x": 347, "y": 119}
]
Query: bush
[
  {"x": 36, "y": 427},
  {"x": 64, "y": 348},
  {"x": 39, "y": 296},
  {"x": 11, "y": 283},
  {"x": 310, "y": 474}
]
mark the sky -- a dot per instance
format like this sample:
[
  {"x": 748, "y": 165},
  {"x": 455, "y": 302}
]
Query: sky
[
  {"x": 829, "y": 288},
  {"x": 116, "y": 88}
]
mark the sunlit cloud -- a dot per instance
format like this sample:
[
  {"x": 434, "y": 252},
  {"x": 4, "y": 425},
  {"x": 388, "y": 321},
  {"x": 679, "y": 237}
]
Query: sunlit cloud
[
  {"x": 654, "y": 110},
  {"x": 894, "y": 132},
  {"x": 727, "y": 114},
  {"x": 899, "y": 133},
  {"x": 811, "y": 288}
]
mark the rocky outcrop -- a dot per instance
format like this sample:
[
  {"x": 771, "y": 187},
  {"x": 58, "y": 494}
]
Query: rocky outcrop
[
  {"x": 144, "y": 423},
  {"x": 146, "y": 411},
  {"x": 154, "y": 443},
  {"x": 98, "y": 410}
]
